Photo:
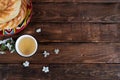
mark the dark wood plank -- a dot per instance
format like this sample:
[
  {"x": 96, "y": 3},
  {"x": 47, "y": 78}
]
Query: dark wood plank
[
  {"x": 61, "y": 72},
  {"x": 86, "y": 72},
  {"x": 76, "y": 12},
  {"x": 70, "y": 22},
  {"x": 85, "y": 1},
  {"x": 76, "y": 32},
  {"x": 73, "y": 32},
  {"x": 70, "y": 53},
  {"x": 18, "y": 72}
]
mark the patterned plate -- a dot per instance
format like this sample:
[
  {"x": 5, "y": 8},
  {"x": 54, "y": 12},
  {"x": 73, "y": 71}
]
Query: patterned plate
[{"x": 22, "y": 25}]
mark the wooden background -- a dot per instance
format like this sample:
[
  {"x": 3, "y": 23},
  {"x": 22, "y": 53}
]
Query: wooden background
[{"x": 87, "y": 32}]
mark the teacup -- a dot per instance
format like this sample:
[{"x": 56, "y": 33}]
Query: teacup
[{"x": 26, "y": 45}]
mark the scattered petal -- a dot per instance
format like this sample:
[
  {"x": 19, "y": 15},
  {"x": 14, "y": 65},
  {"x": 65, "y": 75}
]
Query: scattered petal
[
  {"x": 26, "y": 64},
  {"x": 45, "y": 69},
  {"x": 56, "y": 51},
  {"x": 38, "y": 30},
  {"x": 12, "y": 51},
  {"x": 45, "y": 53}
]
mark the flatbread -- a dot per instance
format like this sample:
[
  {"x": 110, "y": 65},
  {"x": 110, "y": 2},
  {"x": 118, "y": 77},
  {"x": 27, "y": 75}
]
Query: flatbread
[
  {"x": 9, "y": 9},
  {"x": 18, "y": 19}
]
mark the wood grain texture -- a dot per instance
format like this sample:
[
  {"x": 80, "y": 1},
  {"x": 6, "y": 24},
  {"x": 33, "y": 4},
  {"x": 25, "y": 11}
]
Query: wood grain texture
[
  {"x": 87, "y": 34},
  {"x": 76, "y": 12},
  {"x": 72, "y": 32},
  {"x": 76, "y": 32},
  {"x": 18, "y": 72},
  {"x": 61, "y": 72},
  {"x": 83, "y": 1},
  {"x": 70, "y": 53}
]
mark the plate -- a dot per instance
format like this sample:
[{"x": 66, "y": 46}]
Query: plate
[{"x": 22, "y": 25}]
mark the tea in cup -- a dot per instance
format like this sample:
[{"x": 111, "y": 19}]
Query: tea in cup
[{"x": 26, "y": 45}]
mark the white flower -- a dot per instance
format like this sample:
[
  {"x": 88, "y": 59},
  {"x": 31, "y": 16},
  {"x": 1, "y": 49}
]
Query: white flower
[
  {"x": 56, "y": 51},
  {"x": 9, "y": 46},
  {"x": 26, "y": 64},
  {"x": 3, "y": 42},
  {"x": 38, "y": 30},
  {"x": 1, "y": 52},
  {"x": 11, "y": 40},
  {"x": 45, "y": 69},
  {"x": 45, "y": 53}
]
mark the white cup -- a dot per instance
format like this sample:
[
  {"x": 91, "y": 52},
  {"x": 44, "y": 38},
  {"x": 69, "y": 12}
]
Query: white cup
[{"x": 17, "y": 44}]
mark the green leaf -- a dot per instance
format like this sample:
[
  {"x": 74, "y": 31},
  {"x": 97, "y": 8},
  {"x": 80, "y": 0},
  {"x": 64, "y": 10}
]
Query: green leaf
[
  {"x": 9, "y": 41},
  {"x": 3, "y": 47}
]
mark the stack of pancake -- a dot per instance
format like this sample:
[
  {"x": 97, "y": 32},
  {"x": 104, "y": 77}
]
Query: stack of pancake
[{"x": 12, "y": 13}]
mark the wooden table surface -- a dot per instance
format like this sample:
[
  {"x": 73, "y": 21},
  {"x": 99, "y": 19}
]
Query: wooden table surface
[{"x": 87, "y": 32}]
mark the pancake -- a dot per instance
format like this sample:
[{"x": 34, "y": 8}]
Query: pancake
[
  {"x": 18, "y": 19},
  {"x": 9, "y": 9}
]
